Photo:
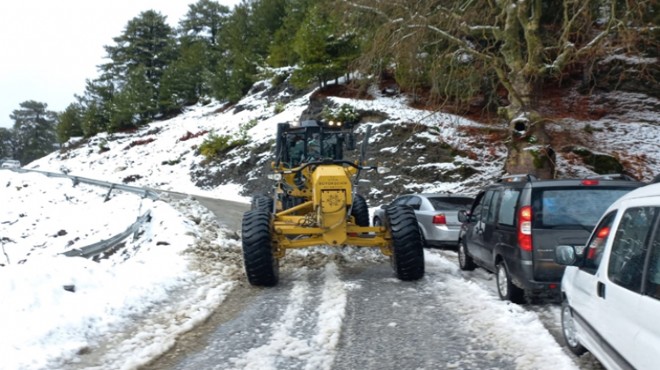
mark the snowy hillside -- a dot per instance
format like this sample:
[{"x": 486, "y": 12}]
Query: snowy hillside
[{"x": 183, "y": 264}]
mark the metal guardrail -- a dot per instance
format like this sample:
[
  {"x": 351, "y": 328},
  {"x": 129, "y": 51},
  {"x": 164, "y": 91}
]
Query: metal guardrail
[{"x": 102, "y": 246}]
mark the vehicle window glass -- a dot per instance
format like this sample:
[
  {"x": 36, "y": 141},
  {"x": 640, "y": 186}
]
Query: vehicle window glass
[
  {"x": 485, "y": 208},
  {"x": 491, "y": 216},
  {"x": 653, "y": 275},
  {"x": 400, "y": 201},
  {"x": 508, "y": 206},
  {"x": 556, "y": 208},
  {"x": 414, "y": 202},
  {"x": 476, "y": 207},
  {"x": 629, "y": 247},
  {"x": 450, "y": 203},
  {"x": 593, "y": 251}
]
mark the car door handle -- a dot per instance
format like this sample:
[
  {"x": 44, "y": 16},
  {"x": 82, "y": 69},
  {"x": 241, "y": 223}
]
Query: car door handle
[{"x": 600, "y": 290}]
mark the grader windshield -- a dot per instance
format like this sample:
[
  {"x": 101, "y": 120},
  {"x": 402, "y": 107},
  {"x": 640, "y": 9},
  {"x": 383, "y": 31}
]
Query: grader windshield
[{"x": 312, "y": 141}]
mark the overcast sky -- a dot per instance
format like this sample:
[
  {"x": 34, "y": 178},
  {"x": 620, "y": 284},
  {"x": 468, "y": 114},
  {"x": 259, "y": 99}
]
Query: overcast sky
[{"x": 49, "y": 48}]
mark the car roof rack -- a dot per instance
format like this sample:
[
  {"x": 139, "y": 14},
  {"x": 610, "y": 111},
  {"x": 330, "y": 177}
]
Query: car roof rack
[
  {"x": 526, "y": 177},
  {"x": 612, "y": 176}
]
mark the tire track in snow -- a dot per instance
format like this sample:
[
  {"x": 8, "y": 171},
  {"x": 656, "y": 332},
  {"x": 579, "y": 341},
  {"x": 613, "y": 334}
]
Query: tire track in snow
[{"x": 290, "y": 344}]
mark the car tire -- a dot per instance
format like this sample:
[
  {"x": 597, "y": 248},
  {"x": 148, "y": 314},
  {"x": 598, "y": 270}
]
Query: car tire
[
  {"x": 465, "y": 261},
  {"x": 569, "y": 331},
  {"x": 505, "y": 287},
  {"x": 360, "y": 210},
  {"x": 261, "y": 265},
  {"x": 407, "y": 257}
]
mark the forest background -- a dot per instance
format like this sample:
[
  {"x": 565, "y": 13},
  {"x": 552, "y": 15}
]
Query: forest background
[{"x": 492, "y": 60}]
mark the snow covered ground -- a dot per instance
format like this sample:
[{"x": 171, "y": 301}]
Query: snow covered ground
[{"x": 182, "y": 264}]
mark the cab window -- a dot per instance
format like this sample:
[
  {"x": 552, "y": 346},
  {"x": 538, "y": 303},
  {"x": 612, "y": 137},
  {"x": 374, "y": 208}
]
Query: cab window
[
  {"x": 593, "y": 252},
  {"x": 629, "y": 247}
]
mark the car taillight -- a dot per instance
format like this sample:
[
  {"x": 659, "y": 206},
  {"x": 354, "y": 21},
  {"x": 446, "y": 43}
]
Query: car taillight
[
  {"x": 525, "y": 228},
  {"x": 589, "y": 182},
  {"x": 601, "y": 235},
  {"x": 440, "y": 219}
]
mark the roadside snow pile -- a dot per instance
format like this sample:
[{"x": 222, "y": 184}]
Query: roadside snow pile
[{"x": 62, "y": 307}]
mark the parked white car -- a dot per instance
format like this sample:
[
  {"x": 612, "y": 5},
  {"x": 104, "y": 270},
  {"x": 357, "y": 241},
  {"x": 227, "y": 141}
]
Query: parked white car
[
  {"x": 11, "y": 163},
  {"x": 611, "y": 288}
]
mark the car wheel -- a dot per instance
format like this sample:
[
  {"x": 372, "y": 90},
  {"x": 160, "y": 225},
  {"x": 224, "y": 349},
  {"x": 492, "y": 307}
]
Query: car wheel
[
  {"x": 465, "y": 261},
  {"x": 505, "y": 287},
  {"x": 569, "y": 330}
]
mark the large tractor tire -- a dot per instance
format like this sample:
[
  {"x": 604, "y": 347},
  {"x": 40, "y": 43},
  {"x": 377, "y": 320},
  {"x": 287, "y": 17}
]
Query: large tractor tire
[
  {"x": 262, "y": 203},
  {"x": 360, "y": 210},
  {"x": 407, "y": 246},
  {"x": 261, "y": 266}
]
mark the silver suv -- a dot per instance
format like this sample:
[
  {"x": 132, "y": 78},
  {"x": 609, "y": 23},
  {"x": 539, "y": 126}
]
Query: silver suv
[
  {"x": 611, "y": 287},
  {"x": 515, "y": 224}
]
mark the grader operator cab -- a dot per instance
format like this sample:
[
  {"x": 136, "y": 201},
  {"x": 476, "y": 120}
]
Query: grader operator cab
[{"x": 315, "y": 203}]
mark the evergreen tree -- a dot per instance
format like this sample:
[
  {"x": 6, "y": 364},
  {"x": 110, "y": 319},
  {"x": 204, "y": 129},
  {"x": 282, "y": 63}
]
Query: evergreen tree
[
  {"x": 69, "y": 123},
  {"x": 7, "y": 143},
  {"x": 204, "y": 21},
  {"x": 34, "y": 127},
  {"x": 184, "y": 80},
  {"x": 97, "y": 103},
  {"x": 139, "y": 59},
  {"x": 147, "y": 41},
  {"x": 237, "y": 68},
  {"x": 324, "y": 50},
  {"x": 135, "y": 103},
  {"x": 281, "y": 53}
]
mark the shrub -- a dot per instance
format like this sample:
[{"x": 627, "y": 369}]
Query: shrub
[
  {"x": 214, "y": 145},
  {"x": 346, "y": 114}
]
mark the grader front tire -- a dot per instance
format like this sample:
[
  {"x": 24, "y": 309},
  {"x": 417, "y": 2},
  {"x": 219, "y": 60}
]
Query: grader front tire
[
  {"x": 407, "y": 246},
  {"x": 360, "y": 211},
  {"x": 261, "y": 266}
]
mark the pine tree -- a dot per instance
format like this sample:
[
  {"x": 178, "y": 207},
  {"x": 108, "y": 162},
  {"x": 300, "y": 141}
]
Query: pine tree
[
  {"x": 70, "y": 123},
  {"x": 204, "y": 21},
  {"x": 34, "y": 127},
  {"x": 281, "y": 53},
  {"x": 7, "y": 143}
]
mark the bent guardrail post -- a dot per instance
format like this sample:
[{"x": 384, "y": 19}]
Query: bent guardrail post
[
  {"x": 98, "y": 248},
  {"x": 102, "y": 246}
]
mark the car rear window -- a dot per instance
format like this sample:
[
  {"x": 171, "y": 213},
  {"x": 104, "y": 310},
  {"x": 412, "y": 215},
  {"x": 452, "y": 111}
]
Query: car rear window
[
  {"x": 582, "y": 207},
  {"x": 451, "y": 204}
]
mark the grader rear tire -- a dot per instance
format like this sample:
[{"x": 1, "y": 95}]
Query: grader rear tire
[
  {"x": 407, "y": 246},
  {"x": 261, "y": 266},
  {"x": 360, "y": 211},
  {"x": 262, "y": 203}
]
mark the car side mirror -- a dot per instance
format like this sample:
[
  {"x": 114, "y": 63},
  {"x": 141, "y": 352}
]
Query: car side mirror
[
  {"x": 463, "y": 216},
  {"x": 565, "y": 255}
]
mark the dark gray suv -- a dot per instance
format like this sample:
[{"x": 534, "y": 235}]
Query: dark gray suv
[{"x": 515, "y": 224}]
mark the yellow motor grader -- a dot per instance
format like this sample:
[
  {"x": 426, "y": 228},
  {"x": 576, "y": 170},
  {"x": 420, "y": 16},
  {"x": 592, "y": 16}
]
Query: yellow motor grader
[{"x": 315, "y": 203}]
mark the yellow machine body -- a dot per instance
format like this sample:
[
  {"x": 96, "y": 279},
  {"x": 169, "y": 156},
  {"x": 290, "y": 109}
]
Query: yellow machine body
[{"x": 323, "y": 218}]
